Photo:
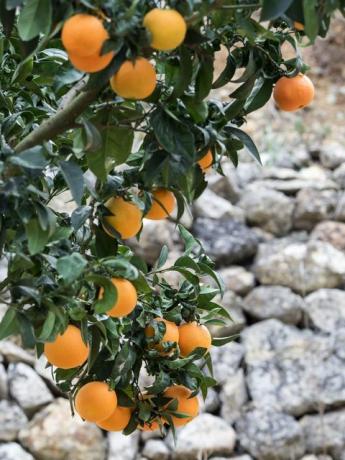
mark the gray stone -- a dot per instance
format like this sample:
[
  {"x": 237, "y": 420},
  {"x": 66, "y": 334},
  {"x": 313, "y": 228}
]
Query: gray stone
[
  {"x": 226, "y": 360},
  {"x": 248, "y": 172},
  {"x": 279, "y": 302},
  {"x": 155, "y": 449},
  {"x": 291, "y": 187},
  {"x": 237, "y": 279},
  {"x": 233, "y": 397},
  {"x": 292, "y": 370},
  {"x": 268, "y": 209},
  {"x": 225, "y": 186},
  {"x": 53, "y": 434},
  {"x": 302, "y": 267},
  {"x": 325, "y": 433},
  {"x": 14, "y": 354},
  {"x": 205, "y": 435},
  {"x": 332, "y": 155},
  {"x": 12, "y": 420},
  {"x": 211, "y": 403},
  {"x": 330, "y": 232},
  {"x": 269, "y": 435},
  {"x": 272, "y": 172},
  {"x": 122, "y": 447},
  {"x": 316, "y": 457},
  {"x": 340, "y": 209},
  {"x": 226, "y": 241},
  {"x": 339, "y": 176},
  {"x": 233, "y": 305},
  {"x": 314, "y": 206},
  {"x": 27, "y": 388},
  {"x": 213, "y": 206},
  {"x": 13, "y": 451},
  {"x": 326, "y": 309},
  {"x": 3, "y": 383}
]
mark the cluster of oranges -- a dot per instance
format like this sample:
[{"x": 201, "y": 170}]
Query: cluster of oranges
[{"x": 94, "y": 401}]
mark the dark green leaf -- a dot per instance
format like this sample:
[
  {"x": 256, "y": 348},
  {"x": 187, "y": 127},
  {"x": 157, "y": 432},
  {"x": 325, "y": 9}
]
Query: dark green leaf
[
  {"x": 32, "y": 159},
  {"x": 163, "y": 256},
  {"x": 48, "y": 327},
  {"x": 203, "y": 83},
  {"x": 8, "y": 323},
  {"x": 71, "y": 267},
  {"x": 311, "y": 19},
  {"x": 74, "y": 178},
  {"x": 271, "y": 9},
  {"x": 79, "y": 216},
  {"x": 37, "y": 237},
  {"x": 109, "y": 293},
  {"x": 220, "y": 341},
  {"x": 34, "y": 19},
  {"x": 247, "y": 141},
  {"x": 227, "y": 73}
]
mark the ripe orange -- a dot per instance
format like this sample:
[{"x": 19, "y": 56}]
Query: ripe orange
[
  {"x": 193, "y": 335},
  {"x": 126, "y": 218},
  {"x": 91, "y": 64},
  {"x": 95, "y": 402},
  {"x": 167, "y": 28},
  {"x": 118, "y": 420},
  {"x": 83, "y": 35},
  {"x": 126, "y": 298},
  {"x": 298, "y": 26},
  {"x": 163, "y": 204},
  {"x": 68, "y": 350},
  {"x": 171, "y": 333},
  {"x": 134, "y": 80},
  {"x": 206, "y": 161},
  {"x": 185, "y": 404},
  {"x": 293, "y": 93}
]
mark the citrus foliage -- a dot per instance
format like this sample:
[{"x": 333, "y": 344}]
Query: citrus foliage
[{"x": 72, "y": 281}]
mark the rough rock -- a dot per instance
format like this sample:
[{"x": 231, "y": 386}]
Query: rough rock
[
  {"x": 207, "y": 435},
  {"x": 268, "y": 209},
  {"x": 330, "y": 232},
  {"x": 152, "y": 237},
  {"x": 225, "y": 186},
  {"x": 233, "y": 396},
  {"x": 273, "y": 172},
  {"x": 27, "y": 388},
  {"x": 247, "y": 173},
  {"x": 237, "y": 279},
  {"x": 339, "y": 175},
  {"x": 14, "y": 354},
  {"x": 340, "y": 209},
  {"x": 155, "y": 449},
  {"x": 3, "y": 383},
  {"x": 53, "y": 434},
  {"x": 302, "y": 267},
  {"x": 270, "y": 435},
  {"x": 12, "y": 420},
  {"x": 291, "y": 187},
  {"x": 325, "y": 433},
  {"x": 213, "y": 206},
  {"x": 332, "y": 155},
  {"x": 226, "y": 241},
  {"x": 279, "y": 302},
  {"x": 233, "y": 304},
  {"x": 123, "y": 447},
  {"x": 14, "y": 451},
  {"x": 314, "y": 206},
  {"x": 226, "y": 360},
  {"x": 298, "y": 370},
  {"x": 326, "y": 309},
  {"x": 316, "y": 457}
]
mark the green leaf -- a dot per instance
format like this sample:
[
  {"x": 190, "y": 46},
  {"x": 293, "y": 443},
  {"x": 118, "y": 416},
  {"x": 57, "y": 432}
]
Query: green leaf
[
  {"x": 74, "y": 178},
  {"x": 80, "y": 215},
  {"x": 203, "y": 82},
  {"x": 109, "y": 294},
  {"x": 163, "y": 256},
  {"x": 260, "y": 95},
  {"x": 8, "y": 324},
  {"x": 174, "y": 136},
  {"x": 311, "y": 19},
  {"x": 37, "y": 237},
  {"x": 247, "y": 141},
  {"x": 272, "y": 9},
  {"x": 48, "y": 327},
  {"x": 71, "y": 267},
  {"x": 34, "y": 19},
  {"x": 220, "y": 341},
  {"x": 32, "y": 159},
  {"x": 227, "y": 73},
  {"x": 185, "y": 72}
]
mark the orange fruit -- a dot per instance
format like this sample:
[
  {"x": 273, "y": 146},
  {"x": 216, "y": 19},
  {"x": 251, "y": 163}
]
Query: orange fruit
[
  {"x": 118, "y": 420},
  {"x": 167, "y": 28},
  {"x": 206, "y": 161},
  {"x": 68, "y": 349},
  {"x": 91, "y": 64},
  {"x": 298, "y": 26},
  {"x": 192, "y": 336},
  {"x": 185, "y": 404},
  {"x": 293, "y": 93},
  {"x": 126, "y": 218},
  {"x": 95, "y": 402},
  {"x": 163, "y": 204},
  {"x": 126, "y": 298},
  {"x": 134, "y": 80},
  {"x": 171, "y": 333},
  {"x": 83, "y": 35}
]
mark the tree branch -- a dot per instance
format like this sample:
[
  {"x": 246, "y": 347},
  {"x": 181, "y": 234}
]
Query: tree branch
[{"x": 62, "y": 120}]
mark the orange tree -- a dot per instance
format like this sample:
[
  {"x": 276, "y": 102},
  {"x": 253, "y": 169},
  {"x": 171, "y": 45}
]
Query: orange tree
[{"x": 80, "y": 82}]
